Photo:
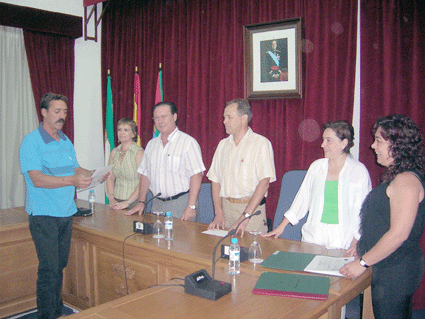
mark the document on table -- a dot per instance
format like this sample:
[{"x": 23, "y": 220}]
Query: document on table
[
  {"x": 216, "y": 232},
  {"x": 292, "y": 285},
  {"x": 97, "y": 176},
  {"x": 288, "y": 260},
  {"x": 327, "y": 265}
]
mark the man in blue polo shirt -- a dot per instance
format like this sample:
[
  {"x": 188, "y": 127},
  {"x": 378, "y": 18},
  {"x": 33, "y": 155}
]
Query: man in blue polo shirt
[{"x": 51, "y": 171}]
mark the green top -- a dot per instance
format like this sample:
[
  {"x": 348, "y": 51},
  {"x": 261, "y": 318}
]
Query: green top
[{"x": 330, "y": 207}]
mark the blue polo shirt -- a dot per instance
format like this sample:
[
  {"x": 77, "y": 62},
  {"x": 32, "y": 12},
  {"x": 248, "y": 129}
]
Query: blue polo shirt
[{"x": 40, "y": 152}]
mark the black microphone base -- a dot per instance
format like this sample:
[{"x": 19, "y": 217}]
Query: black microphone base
[
  {"x": 202, "y": 285},
  {"x": 142, "y": 228},
  {"x": 244, "y": 255}
]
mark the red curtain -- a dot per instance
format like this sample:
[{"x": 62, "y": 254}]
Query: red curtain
[
  {"x": 392, "y": 75},
  {"x": 51, "y": 64},
  {"x": 200, "y": 46},
  {"x": 87, "y": 3},
  {"x": 392, "y": 67}
]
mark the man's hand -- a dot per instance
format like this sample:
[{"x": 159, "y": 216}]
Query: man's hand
[
  {"x": 136, "y": 209},
  {"x": 105, "y": 177},
  {"x": 188, "y": 213},
  {"x": 81, "y": 181},
  {"x": 217, "y": 222},
  {"x": 241, "y": 227}
]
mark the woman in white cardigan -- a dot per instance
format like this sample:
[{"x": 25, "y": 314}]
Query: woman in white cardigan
[{"x": 332, "y": 193}]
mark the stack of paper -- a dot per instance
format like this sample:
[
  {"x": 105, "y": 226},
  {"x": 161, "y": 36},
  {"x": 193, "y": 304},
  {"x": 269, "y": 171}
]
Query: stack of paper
[
  {"x": 319, "y": 264},
  {"x": 327, "y": 265}
]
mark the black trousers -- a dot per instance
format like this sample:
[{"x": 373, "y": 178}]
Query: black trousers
[
  {"x": 393, "y": 287},
  {"x": 52, "y": 239}
]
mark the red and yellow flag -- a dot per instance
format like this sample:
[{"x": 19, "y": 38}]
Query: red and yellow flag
[{"x": 137, "y": 111}]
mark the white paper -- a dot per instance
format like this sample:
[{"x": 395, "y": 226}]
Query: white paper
[
  {"x": 216, "y": 232},
  {"x": 97, "y": 176},
  {"x": 327, "y": 265}
]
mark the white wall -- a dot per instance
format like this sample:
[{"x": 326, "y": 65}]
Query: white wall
[
  {"x": 88, "y": 125},
  {"x": 88, "y": 122}
]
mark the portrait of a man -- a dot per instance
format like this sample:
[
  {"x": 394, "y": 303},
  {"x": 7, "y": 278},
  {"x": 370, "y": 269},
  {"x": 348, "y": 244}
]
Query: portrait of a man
[{"x": 274, "y": 66}]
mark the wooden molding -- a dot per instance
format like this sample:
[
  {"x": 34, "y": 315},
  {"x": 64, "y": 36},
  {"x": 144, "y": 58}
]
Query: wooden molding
[{"x": 40, "y": 20}]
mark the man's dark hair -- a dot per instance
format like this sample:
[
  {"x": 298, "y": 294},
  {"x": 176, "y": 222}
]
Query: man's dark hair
[{"x": 48, "y": 97}]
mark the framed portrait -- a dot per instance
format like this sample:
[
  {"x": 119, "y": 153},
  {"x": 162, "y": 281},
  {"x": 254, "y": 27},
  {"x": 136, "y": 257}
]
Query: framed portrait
[{"x": 272, "y": 59}]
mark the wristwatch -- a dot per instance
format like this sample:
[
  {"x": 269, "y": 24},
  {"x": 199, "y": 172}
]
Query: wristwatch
[
  {"x": 363, "y": 263},
  {"x": 192, "y": 206}
]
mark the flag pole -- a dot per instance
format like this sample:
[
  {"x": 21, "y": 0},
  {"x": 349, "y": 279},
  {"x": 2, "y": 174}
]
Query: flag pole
[
  {"x": 109, "y": 127},
  {"x": 158, "y": 96},
  {"x": 137, "y": 111}
]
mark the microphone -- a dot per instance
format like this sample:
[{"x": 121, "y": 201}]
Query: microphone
[
  {"x": 142, "y": 227},
  {"x": 230, "y": 233},
  {"x": 202, "y": 285},
  {"x": 146, "y": 205}
]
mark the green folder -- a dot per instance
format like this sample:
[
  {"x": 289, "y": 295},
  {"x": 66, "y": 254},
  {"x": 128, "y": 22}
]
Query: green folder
[
  {"x": 286, "y": 260},
  {"x": 293, "y": 286}
]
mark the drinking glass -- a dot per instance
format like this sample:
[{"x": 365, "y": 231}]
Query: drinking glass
[
  {"x": 255, "y": 253},
  {"x": 158, "y": 228}
]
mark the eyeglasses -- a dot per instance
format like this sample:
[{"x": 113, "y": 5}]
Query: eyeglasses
[{"x": 157, "y": 118}]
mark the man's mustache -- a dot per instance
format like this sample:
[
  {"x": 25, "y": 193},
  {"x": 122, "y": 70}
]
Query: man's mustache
[{"x": 60, "y": 121}]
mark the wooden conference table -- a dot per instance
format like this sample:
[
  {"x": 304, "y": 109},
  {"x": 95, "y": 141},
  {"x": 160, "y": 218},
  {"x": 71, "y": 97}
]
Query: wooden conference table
[{"x": 94, "y": 278}]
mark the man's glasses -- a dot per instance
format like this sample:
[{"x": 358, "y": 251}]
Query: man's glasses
[{"x": 157, "y": 118}]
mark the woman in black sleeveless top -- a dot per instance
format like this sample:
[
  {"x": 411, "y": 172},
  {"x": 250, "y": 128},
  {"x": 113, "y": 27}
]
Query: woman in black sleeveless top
[{"x": 392, "y": 219}]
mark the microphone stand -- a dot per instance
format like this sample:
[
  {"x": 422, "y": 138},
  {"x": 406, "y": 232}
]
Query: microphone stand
[
  {"x": 146, "y": 228},
  {"x": 230, "y": 233},
  {"x": 202, "y": 285}
]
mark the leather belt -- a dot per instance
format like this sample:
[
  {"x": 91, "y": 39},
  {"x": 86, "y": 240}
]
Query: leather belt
[
  {"x": 166, "y": 199},
  {"x": 243, "y": 200}
]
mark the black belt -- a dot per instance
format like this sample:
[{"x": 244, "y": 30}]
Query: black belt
[{"x": 166, "y": 199}]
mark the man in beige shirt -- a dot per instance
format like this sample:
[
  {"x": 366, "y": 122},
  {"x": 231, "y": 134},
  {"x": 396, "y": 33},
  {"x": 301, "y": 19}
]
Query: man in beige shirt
[{"x": 241, "y": 171}]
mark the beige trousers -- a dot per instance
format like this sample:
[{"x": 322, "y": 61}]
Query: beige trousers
[{"x": 232, "y": 211}]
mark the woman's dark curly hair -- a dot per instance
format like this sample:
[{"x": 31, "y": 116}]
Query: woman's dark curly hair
[{"x": 406, "y": 144}]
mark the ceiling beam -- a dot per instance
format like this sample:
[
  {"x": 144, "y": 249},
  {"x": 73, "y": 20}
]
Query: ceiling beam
[{"x": 40, "y": 20}]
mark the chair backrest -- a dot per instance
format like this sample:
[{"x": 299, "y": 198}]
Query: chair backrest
[
  {"x": 291, "y": 182},
  {"x": 206, "y": 205}
]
